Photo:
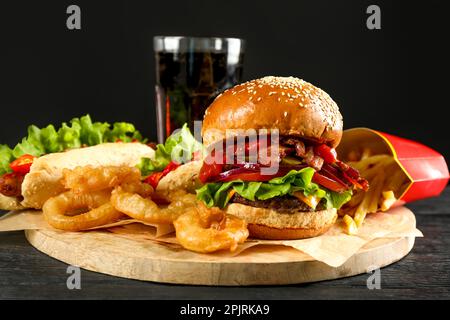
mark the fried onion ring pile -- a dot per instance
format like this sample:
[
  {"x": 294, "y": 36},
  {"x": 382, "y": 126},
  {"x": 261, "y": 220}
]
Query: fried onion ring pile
[
  {"x": 97, "y": 196},
  {"x": 207, "y": 230},
  {"x": 89, "y": 193}
]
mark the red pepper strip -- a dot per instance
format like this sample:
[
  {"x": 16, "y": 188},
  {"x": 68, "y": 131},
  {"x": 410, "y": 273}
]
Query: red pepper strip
[
  {"x": 210, "y": 169},
  {"x": 170, "y": 167},
  {"x": 328, "y": 154},
  {"x": 349, "y": 170},
  {"x": 354, "y": 182},
  {"x": 328, "y": 183},
  {"x": 334, "y": 174},
  {"x": 22, "y": 164},
  {"x": 248, "y": 175},
  {"x": 154, "y": 178},
  {"x": 364, "y": 184},
  {"x": 353, "y": 175}
]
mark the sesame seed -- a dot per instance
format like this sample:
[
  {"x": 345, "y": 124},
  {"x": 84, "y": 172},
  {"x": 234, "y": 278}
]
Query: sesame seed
[{"x": 307, "y": 94}]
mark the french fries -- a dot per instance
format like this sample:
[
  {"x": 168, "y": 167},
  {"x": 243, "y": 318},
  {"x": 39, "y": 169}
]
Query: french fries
[
  {"x": 388, "y": 199},
  {"x": 350, "y": 225},
  {"x": 386, "y": 180}
]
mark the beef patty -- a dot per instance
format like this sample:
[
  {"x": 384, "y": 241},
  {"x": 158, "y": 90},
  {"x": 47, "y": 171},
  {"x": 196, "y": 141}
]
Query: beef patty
[{"x": 285, "y": 204}]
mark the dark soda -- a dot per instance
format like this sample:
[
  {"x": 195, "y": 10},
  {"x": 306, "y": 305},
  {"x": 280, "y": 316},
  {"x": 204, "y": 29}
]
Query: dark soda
[{"x": 187, "y": 82}]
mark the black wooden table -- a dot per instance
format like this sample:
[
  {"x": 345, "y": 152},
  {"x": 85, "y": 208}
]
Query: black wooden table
[{"x": 423, "y": 274}]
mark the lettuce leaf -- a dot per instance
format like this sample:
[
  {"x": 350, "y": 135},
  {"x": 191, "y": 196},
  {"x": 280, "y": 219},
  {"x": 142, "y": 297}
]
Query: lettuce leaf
[
  {"x": 218, "y": 194},
  {"x": 123, "y": 131},
  {"x": 91, "y": 134},
  {"x": 34, "y": 138},
  {"x": 80, "y": 131},
  {"x": 336, "y": 199},
  {"x": 5, "y": 158},
  {"x": 215, "y": 194},
  {"x": 25, "y": 147},
  {"x": 50, "y": 139},
  {"x": 179, "y": 147},
  {"x": 69, "y": 137}
]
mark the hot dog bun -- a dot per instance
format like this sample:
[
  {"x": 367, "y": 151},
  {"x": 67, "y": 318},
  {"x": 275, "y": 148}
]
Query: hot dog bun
[{"x": 44, "y": 179}]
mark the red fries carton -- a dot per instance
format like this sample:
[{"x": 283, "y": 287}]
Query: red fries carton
[{"x": 424, "y": 167}]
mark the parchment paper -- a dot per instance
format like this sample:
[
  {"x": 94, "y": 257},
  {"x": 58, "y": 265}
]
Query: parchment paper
[
  {"x": 333, "y": 248},
  {"x": 34, "y": 220}
]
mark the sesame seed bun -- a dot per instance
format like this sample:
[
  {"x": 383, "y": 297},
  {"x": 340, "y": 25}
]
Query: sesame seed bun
[
  {"x": 289, "y": 104},
  {"x": 270, "y": 224}
]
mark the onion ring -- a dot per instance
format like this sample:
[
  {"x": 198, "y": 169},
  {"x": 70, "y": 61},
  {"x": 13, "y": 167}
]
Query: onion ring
[
  {"x": 89, "y": 178},
  {"x": 207, "y": 230},
  {"x": 144, "y": 209},
  {"x": 143, "y": 189},
  {"x": 57, "y": 210}
]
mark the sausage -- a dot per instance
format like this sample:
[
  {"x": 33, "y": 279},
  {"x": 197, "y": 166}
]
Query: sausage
[
  {"x": 152, "y": 145},
  {"x": 11, "y": 184}
]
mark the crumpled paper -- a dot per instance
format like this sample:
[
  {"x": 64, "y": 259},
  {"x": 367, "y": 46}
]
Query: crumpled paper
[
  {"x": 34, "y": 220},
  {"x": 332, "y": 248}
]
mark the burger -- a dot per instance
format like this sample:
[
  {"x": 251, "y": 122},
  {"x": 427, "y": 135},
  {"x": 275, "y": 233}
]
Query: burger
[{"x": 295, "y": 190}]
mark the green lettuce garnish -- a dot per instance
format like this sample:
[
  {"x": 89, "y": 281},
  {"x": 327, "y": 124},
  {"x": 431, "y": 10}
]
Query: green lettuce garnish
[
  {"x": 5, "y": 158},
  {"x": 78, "y": 132},
  {"x": 179, "y": 147},
  {"x": 51, "y": 139},
  {"x": 218, "y": 194}
]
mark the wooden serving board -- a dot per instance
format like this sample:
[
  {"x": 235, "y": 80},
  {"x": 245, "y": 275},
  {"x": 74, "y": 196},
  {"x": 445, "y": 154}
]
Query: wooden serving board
[
  {"x": 259, "y": 265},
  {"x": 109, "y": 254}
]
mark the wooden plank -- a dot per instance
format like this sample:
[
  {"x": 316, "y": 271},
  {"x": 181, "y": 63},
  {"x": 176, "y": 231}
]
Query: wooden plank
[{"x": 26, "y": 273}]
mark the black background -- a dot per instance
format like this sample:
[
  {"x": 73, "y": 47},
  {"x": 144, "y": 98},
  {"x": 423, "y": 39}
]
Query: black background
[{"x": 385, "y": 79}]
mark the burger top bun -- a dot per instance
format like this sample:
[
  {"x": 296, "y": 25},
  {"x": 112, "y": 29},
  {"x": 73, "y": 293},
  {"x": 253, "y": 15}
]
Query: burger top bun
[{"x": 289, "y": 104}]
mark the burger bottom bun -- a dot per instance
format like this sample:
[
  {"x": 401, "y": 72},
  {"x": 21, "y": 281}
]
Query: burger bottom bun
[
  {"x": 259, "y": 231},
  {"x": 270, "y": 224}
]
